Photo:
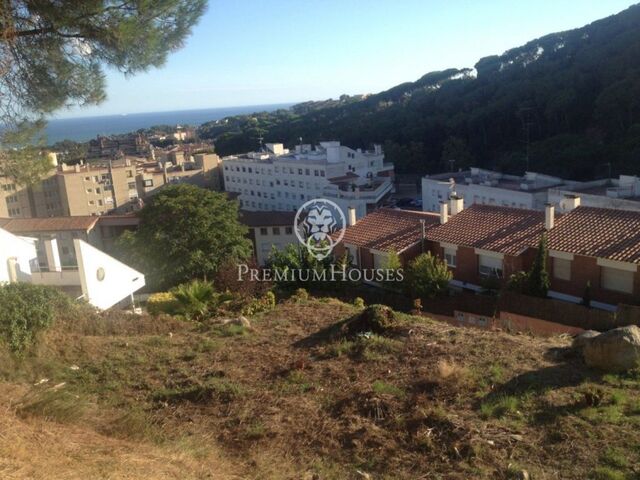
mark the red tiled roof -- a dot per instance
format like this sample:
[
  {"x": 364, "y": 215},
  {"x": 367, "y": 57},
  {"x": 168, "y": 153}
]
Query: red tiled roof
[
  {"x": 598, "y": 232},
  {"x": 267, "y": 219},
  {"x": 52, "y": 224},
  {"x": 497, "y": 229},
  {"x": 389, "y": 230}
]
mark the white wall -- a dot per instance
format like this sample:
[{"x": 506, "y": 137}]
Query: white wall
[
  {"x": 23, "y": 250},
  {"x": 105, "y": 281}
]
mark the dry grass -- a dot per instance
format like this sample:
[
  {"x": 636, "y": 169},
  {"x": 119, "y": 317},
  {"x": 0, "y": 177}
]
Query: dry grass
[{"x": 288, "y": 399}]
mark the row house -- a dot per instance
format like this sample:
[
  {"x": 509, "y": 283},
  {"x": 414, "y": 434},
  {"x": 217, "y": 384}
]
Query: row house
[{"x": 590, "y": 249}]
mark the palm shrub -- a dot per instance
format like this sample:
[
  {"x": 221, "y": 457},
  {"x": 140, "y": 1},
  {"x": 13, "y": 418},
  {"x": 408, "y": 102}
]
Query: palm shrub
[
  {"x": 427, "y": 277},
  {"x": 194, "y": 299}
]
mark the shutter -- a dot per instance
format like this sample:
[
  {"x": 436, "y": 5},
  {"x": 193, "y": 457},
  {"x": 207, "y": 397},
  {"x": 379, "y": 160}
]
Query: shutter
[
  {"x": 562, "y": 268},
  {"x": 617, "y": 280}
]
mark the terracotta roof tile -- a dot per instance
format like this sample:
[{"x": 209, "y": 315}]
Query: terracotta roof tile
[
  {"x": 497, "y": 229},
  {"x": 51, "y": 224},
  {"x": 598, "y": 232},
  {"x": 389, "y": 230}
]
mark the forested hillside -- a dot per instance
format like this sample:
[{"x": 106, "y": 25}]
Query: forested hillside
[{"x": 570, "y": 99}]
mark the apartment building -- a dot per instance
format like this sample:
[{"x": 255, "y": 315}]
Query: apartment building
[
  {"x": 530, "y": 191},
  {"x": 269, "y": 230},
  {"x": 485, "y": 187},
  {"x": 276, "y": 179},
  {"x": 108, "y": 186},
  {"x": 129, "y": 144}
]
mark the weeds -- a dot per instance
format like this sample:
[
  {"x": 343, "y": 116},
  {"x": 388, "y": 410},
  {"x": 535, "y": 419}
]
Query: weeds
[
  {"x": 383, "y": 388},
  {"x": 500, "y": 407}
]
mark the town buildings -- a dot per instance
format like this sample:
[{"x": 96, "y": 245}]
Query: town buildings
[
  {"x": 594, "y": 252},
  {"x": 277, "y": 179},
  {"x": 269, "y": 230},
  {"x": 128, "y": 144},
  {"x": 106, "y": 186},
  {"x": 530, "y": 191}
]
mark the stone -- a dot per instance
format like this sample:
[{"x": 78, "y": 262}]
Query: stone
[
  {"x": 241, "y": 321},
  {"x": 616, "y": 350},
  {"x": 582, "y": 339}
]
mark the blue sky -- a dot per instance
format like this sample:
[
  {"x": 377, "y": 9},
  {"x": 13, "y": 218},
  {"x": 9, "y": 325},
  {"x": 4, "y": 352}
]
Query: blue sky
[{"x": 253, "y": 52}]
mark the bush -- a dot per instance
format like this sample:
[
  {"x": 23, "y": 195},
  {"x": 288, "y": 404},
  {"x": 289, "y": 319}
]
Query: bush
[
  {"x": 358, "y": 302},
  {"x": 162, "y": 302},
  {"x": 27, "y": 309},
  {"x": 377, "y": 319},
  {"x": 194, "y": 299},
  {"x": 427, "y": 277},
  {"x": 265, "y": 303},
  {"x": 301, "y": 295}
]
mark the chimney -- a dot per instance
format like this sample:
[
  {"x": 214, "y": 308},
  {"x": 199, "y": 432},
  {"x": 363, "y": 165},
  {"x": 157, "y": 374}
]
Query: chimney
[
  {"x": 549, "y": 216},
  {"x": 444, "y": 212},
  {"x": 570, "y": 202},
  {"x": 457, "y": 204},
  {"x": 352, "y": 216}
]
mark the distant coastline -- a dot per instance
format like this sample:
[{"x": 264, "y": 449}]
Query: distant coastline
[{"x": 82, "y": 129}]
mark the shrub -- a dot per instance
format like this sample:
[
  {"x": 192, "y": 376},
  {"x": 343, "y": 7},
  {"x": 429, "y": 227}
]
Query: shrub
[
  {"x": 265, "y": 303},
  {"x": 194, "y": 299},
  {"x": 301, "y": 295},
  {"x": 358, "y": 302},
  {"x": 375, "y": 319},
  {"x": 162, "y": 302},
  {"x": 27, "y": 309},
  {"x": 427, "y": 277}
]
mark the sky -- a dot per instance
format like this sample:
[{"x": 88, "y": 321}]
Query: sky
[{"x": 259, "y": 52}]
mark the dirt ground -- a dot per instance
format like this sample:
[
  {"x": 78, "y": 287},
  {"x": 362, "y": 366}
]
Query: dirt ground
[{"x": 300, "y": 395}]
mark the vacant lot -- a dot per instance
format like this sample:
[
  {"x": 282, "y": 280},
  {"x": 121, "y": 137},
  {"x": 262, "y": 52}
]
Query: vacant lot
[{"x": 303, "y": 395}]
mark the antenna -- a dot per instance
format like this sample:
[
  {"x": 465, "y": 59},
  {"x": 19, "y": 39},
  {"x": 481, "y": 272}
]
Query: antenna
[
  {"x": 451, "y": 163},
  {"x": 260, "y": 140},
  {"x": 525, "y": 116}
]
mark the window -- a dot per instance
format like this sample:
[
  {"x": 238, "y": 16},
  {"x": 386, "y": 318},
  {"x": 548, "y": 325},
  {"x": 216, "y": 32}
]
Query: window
[
  {"x": 148, "y": 183},
  {"x": 132, "y": 185},
  {"x": 562, "y": 268},
  {"x": 276, "y": 230},
  {"x": 299, "y": 171},
  {"x": 490, "y": 266},
  {"x": 129, "y": 174},
  {"x": 617, "y": 280},
  {"x": 288, "y": 230},
  {"x": 450, "y": 257}
]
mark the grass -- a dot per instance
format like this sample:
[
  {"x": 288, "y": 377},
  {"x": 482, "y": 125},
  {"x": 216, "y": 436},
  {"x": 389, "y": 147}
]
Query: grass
[
  {"x": 368, "y": 348},
  {"x": 383, "y": 388},
  {"x": 606, "y": 473},
  {"x": 500, "y": 407},
  {"x": 58, "y": 405},
  {"x": 223, "y": 389}
]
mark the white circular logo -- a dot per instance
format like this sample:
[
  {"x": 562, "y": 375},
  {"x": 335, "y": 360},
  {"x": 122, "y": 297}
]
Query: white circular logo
[{"x": 319, "y": 226}]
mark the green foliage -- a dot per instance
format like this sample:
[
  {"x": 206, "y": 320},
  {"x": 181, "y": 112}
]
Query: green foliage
[
  {"x": 358, "y": 302},
  {"x": 194, "y": 299},
  {"x": 301, "y": 295},
  {"x": 185, "y": 232},
  {"x": 26, "y": 310},
  {"x": 162, "y": 302},
  {"x": 538, "y": 281},
  {"x": 392, "y": 262},
  {"x": 283, "y": 262},
  {"x": 265, "y": 303},
  {"x": 427, "y": 277},
  {"x": 580, "y": 99},
  {"x": 586, "y": 296},
  {"x": 53, "y": 53}
]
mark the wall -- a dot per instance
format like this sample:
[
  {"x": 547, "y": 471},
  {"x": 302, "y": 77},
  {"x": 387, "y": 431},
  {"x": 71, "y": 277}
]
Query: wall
[{"x": 22, "y": 249}]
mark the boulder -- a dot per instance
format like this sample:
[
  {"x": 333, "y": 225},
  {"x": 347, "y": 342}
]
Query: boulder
[
  {"x": 240, "y": 321},
  {"x": 616, "y": 350},
  {"x": 581, "y": 340}
]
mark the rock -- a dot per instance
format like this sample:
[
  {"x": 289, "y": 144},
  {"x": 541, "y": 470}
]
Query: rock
[
  {"x": 582, "y": 339},
  {"x": 616, "y": 350},
  {"x": 241, "y": 321},
  {"x": 522, "y": 475}
]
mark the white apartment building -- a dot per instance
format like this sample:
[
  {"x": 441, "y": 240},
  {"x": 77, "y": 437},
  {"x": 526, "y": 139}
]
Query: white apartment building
[
  {"x": 486, "y": 187},
  {"x": 622, "y": 193},
  {"x": 277, "y": 179}
]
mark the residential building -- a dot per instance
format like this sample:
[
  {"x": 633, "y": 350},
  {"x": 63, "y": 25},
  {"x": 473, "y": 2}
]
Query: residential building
[
  {"x": 276, "y": 179},
  {"x": 486, "y": 187},
  {"x": 370, "y": 240},
  {"x": 485, "y": 242},
  {"x": 105, "y": 187},
  {"x": 96, "y": 277},
  {"x": 269, "y": 230},
  {"x": 622, "y": 193},
  {"x": 128, "y": 144}
]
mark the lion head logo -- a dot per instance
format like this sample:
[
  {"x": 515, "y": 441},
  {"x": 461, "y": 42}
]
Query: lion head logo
[{"x": 316, "y": 223}]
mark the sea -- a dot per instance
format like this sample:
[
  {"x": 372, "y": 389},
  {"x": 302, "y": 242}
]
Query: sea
[{"x": 82, "y": 129}]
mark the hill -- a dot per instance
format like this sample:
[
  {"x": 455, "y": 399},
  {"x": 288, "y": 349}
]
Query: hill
[
  {"x": 574, "y": 95},
  {"x": 306, "y": 394}
]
